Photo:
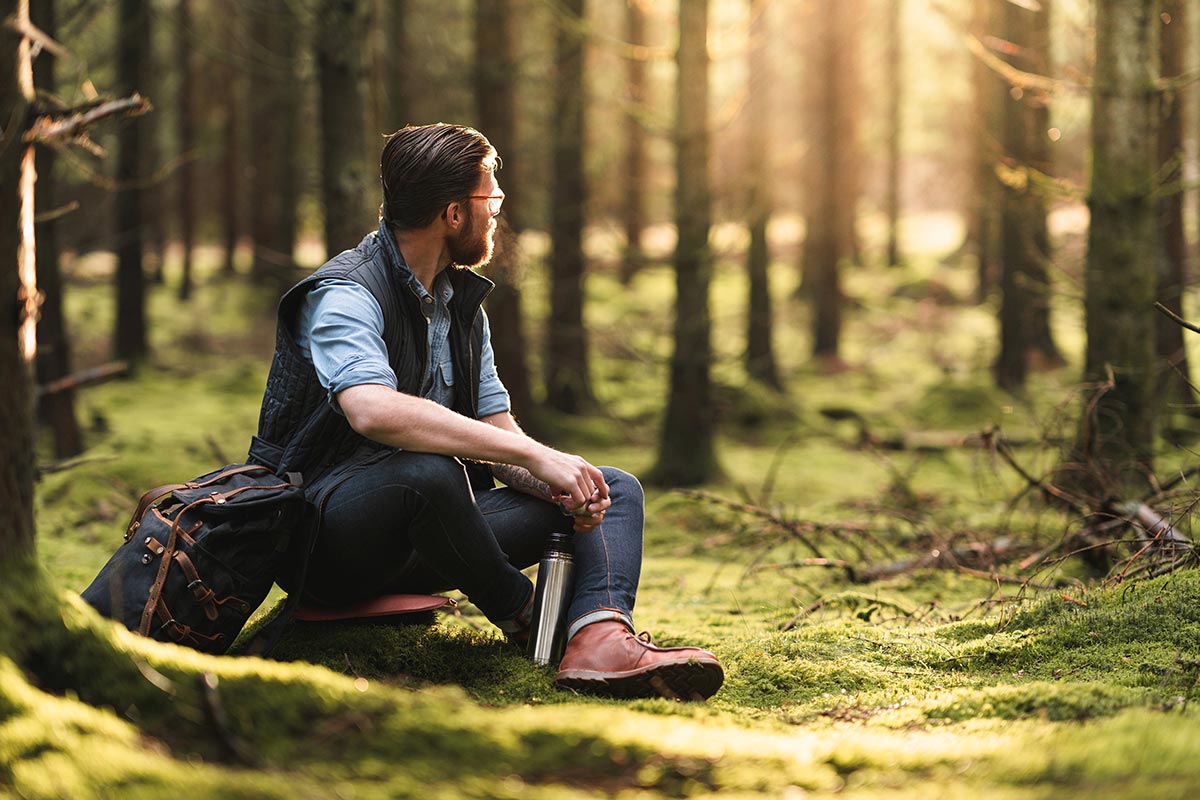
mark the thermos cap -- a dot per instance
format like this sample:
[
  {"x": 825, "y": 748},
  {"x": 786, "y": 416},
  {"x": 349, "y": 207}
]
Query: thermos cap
[{"x": 560, "y": 543}]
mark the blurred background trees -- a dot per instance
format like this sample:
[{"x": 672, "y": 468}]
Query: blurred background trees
[{"x": 829, "y": 135}]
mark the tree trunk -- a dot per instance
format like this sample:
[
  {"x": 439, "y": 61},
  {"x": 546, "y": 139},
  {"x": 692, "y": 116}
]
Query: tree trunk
[
  {"x": 1175, "y": 377},
  {"x": 391, "y": 68},
  {"x": 495, "y": 71},
  {"x": 274, "y": 105},
  {"x": 132, "y": 49},
  {"x": 231, "y": 134},
  {"x": 760, "y": 354},
  {"x": 53, "y": 346},
  {"x": 340, "y": 30},
  {"x": 1025, "y": 240},
  {"x": 983, "y": 219},
  {"x": 1041, "y": 338},
  {"x": 568, "y": 387},
  {"x": 185, "y": 119},
  {"x": 687, "y": 450},
  {"x": 823, "y": 223},
  {"x": 16, "y": 401},
  {"x": 895, "y": 93},
  {"x": 1117, "y": 428},
  {"x": 847, "y": 32},
  {"x": 632, "y": 202}
]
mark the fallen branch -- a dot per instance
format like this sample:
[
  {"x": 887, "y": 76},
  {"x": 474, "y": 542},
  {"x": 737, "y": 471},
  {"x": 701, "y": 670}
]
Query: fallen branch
[
  {"x": 87, "y": 377},
  {"x": 46, "y": 130}
]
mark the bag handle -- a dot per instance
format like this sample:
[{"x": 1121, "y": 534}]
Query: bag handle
[
  {"x": 158, "y": 492},
  {"x": 148, "y": 499}
]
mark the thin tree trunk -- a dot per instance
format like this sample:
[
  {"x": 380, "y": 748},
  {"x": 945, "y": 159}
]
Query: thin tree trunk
[
  {"x": 568, "y": 386},
  {"x": 1041, "y": 337},
  {"x": 53, "y": 347},
  {"x": 133, "y": 46},
  {"x": 632, "y": 204},
  {"x": 393, "y": 67},
  {"x": 274, "y": 107},
  {"x": 340, "y": 30},
  {"x": 231, "y": 134},
  {"x": 16, "y": 401},
  {"x": 1175, "y": 376},
  {"x": 895, "y": 95},
  {"x": 687, "y": 453},
  {"x": 848, "y": 15},
  {"x": 495, "y": 71},
  {"x": 760, "y": 354},
  {"x": 1117, "y": 427},
  {"x": 823, "y": 220},
  {"x": 185, "y": 118},
  {"x": 989, "y": 92},
  {"x": 1025, "y": 241}
]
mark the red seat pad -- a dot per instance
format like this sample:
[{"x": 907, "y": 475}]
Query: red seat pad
[{"x": 389, "y": 605}]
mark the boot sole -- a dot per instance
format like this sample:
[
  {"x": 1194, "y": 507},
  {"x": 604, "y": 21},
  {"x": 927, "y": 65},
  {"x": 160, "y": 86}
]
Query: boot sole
[{"x": 684, "y": 680}]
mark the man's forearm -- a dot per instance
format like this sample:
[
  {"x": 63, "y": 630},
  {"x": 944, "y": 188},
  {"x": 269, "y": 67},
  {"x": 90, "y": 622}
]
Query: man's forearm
[
  {"x": 522, "y": 480},
  {"x": 413, "y": 423}
]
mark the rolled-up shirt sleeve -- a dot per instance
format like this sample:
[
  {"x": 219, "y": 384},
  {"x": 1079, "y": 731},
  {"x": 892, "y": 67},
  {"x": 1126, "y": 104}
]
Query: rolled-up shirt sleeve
[
  {"x": 340, "y": 326},
  {"x": 493, "y": 397}
]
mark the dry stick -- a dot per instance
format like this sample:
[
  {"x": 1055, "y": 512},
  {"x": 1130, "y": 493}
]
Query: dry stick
[
  {"x": 1178, "y": 320},
  {"x": 998, "y": 578},
  {"x": 791, "y": 623},
  {"x": 86, "y": 377},
  {"x": 851, "y": 572},
  {"x": 1005, "y": 452},
  {"x": 45, "y": 131}
]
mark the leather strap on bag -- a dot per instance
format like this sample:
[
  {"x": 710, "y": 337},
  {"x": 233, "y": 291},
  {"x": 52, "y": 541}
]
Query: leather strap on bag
[{"x": 158, "y": 492}]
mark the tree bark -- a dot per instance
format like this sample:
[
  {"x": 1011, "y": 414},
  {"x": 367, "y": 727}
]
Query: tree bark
[
  {"x": 231, "y": 136},
  {"x": 983, "y": 220},
  {"x": 133, "y": 47},
  {"x": 391, "y": 67},
  {"x": 687, "y": 454},
  {"x": 823, "y": 223},
  {"x": 1025, "y": 240},
  {"x": 495, "y": 71},
  {"x": 186, "y": 122},
  {"x": 568, "y": 385},
  {"x": 273, "y": 116},
  {"x": 634, "y": 166},
  {"x": 848, "y": 22},
  {"x": 760, "y": 353},
  {"x": 1117, "y": 428},
  {"x": 341, "y": 29},
  {"x": 1175, "y": 377},
  {"x": 16, "y": 401},
  {"x": 895, "y": 95},
  {"x": 53, "y": 345}
]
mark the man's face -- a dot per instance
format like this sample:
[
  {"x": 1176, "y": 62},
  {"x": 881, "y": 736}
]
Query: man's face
[{"x": 472, "y": 246}]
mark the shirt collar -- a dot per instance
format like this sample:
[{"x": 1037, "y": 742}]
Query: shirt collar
[{"x": 441, "y": 284}]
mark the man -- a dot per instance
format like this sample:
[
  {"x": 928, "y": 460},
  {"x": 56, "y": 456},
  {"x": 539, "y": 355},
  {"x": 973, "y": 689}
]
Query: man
[{"x": 384, "y": 393}]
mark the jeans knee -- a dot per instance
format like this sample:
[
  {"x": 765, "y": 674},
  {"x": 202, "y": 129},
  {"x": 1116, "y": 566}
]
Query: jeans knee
[
  {"x": 624, "y": 487},
  {"x": 435, "y": 476}
]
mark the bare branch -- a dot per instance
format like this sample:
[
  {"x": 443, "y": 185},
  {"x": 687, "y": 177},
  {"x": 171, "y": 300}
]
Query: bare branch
[{"x": 59, "y": 132}]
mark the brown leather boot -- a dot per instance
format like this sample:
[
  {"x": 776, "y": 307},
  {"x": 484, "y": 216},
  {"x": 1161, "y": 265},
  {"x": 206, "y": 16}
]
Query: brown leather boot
[{"x": 605, "y": 658}]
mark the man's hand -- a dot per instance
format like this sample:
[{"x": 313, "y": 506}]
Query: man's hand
[
  {"x": 570, "y": 480},
  {"x": 589, "y": 515}
]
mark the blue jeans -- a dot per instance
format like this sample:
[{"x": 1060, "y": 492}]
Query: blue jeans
[{"x": 411, "y": 524}]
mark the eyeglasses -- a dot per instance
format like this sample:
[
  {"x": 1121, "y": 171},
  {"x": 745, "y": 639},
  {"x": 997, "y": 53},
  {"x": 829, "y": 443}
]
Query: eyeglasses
[{"x": 494, "y": 201}]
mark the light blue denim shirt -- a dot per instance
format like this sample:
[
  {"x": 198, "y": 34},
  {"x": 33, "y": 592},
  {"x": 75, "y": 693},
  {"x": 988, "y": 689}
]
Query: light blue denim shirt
[{"x": 340, "y": 332}]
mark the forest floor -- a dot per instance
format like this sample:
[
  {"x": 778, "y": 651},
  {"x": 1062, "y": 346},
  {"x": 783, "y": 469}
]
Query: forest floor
[{"x": 944, "y": 678}]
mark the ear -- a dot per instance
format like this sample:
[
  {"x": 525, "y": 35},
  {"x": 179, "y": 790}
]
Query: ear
[{"x": 454, "y": 215}]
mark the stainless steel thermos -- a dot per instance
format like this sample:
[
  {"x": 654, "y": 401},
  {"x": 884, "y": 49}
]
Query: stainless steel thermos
[{"x": 555, "y": 581}]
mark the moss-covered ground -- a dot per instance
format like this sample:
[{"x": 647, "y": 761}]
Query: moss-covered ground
[{"x": 930, "y": 683}]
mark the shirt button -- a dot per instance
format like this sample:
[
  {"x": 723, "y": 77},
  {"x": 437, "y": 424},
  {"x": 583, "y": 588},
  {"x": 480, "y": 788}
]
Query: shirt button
[{"x": 428, "y": 299}]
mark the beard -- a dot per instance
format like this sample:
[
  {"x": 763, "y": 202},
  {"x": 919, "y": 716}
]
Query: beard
[{"x": 472, "y": 246}]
